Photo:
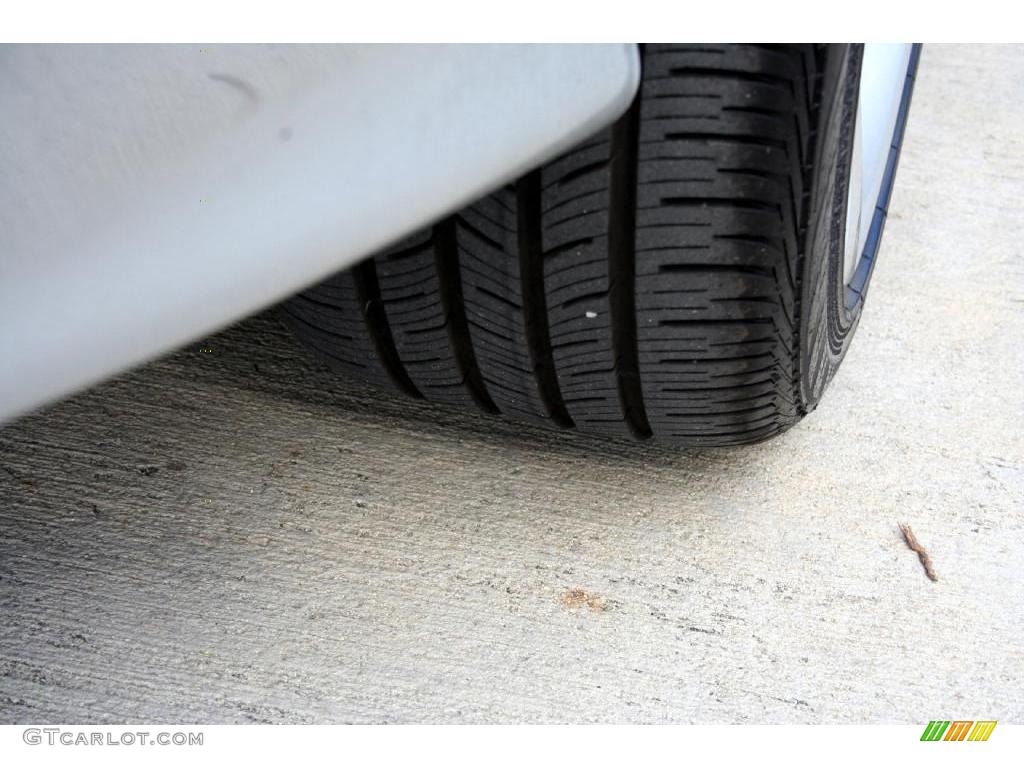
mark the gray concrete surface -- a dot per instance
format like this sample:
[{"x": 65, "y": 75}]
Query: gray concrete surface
[{"x": 236, "y": 535}]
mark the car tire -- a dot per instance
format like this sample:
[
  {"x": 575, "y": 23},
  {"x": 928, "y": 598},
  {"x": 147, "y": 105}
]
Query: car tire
[{"x": 677, "y": 277}]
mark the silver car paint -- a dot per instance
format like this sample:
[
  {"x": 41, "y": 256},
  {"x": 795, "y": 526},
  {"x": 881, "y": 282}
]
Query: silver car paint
[{"x": 151, "y": 194}]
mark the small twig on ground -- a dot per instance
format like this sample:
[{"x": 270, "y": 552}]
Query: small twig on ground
[{"x": 922, "y": 553}]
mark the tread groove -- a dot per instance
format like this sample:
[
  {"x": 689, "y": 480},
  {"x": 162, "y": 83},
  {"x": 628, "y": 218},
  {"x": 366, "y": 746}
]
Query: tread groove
[
  {"x": 534, "y": 296},
  {"x": 622, "y": 269},
  {"x": 364, "y": 275},
  {"x": 446, "y": 259}
]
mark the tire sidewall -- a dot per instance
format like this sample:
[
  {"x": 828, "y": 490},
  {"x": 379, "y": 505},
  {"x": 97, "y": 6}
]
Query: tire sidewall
[{"x": 827, "y": 323}]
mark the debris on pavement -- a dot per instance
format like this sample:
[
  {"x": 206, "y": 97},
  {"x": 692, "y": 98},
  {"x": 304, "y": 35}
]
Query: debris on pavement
[{"x": 922, "y": 553}]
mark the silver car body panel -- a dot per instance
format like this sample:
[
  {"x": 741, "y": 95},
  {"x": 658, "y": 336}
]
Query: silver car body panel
[{"x": 152, "y": 194}]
